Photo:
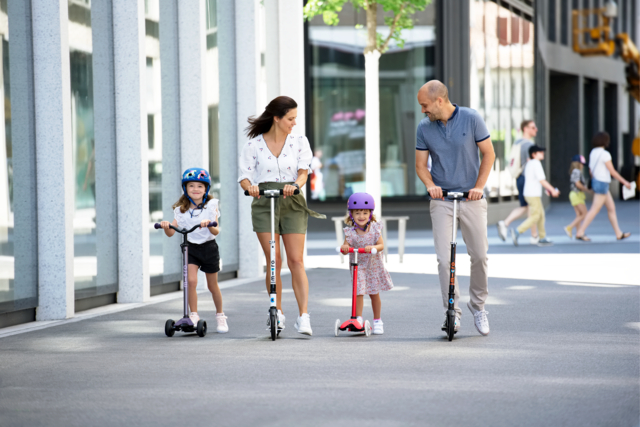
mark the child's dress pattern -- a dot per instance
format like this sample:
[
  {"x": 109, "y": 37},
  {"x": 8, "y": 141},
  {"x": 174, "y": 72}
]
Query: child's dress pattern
[{"x": 373, "y": 278}]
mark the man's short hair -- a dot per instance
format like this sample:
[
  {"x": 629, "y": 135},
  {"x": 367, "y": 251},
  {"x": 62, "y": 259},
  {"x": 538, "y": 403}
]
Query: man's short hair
[
  {"x": 524, "y": 124},
  {"x": 437, "y": 89}
]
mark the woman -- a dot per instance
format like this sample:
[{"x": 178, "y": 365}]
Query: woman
[
  {"x": 275, "y": 159},
  {"x": 602, "y": 170}
]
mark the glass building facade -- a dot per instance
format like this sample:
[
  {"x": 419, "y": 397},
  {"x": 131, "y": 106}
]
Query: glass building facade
[
  {"x": 501, "y": 81},
  {"x": 337, "y": 104}
]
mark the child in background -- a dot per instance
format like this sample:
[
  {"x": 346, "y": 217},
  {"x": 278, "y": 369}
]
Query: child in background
[
  {"x": 577, "y": 196},
  {"x": 195, "y": 207},
  {"x": 364, "y": 231},
  {"x": 534, "y": 180}
]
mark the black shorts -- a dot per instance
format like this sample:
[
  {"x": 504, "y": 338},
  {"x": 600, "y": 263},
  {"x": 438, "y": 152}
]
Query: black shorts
[{"x": 205, "y": 256}]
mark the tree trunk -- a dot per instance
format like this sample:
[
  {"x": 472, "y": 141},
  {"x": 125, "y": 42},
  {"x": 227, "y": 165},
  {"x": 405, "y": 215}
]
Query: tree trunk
[{"x": 372, "y": 108}]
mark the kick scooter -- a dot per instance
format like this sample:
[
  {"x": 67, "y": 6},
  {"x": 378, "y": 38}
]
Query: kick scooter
[
  {"x": 352, "y": 325},
  {"x": 451, "y": 312},
  {"x": 185, "y": 324},
  {"x": 273, "y": 309}
]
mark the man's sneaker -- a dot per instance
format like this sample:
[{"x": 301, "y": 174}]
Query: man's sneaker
[
  {"x": 194, "y": 317},
  {"x": 378, "y": 327},
  {"x": 534, "y": 240},
  {"x": 222, "y": 328},
  {"x": 303, "y": 324},
  {"x": 514, "y": 236},
  {"x": 502, "y": 230},
  {"x": 545, "y": 242},
  {"x": 480, "y": 319},
  {"x": 456, "y": 324}
]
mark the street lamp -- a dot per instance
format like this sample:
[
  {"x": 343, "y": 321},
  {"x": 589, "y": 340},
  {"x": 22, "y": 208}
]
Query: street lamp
[{"x": 611, "y": 9}]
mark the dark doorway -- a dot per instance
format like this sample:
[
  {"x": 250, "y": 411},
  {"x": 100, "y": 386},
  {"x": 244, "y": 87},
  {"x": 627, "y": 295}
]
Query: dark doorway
[
  {"x": 564, "y": 127},
  {"x": 611, "y": 119},
  {"x": 591, "y": 120}
]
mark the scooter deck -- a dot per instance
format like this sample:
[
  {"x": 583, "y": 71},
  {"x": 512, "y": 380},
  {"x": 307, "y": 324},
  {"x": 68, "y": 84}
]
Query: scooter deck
[{"x": 352, "y": 325}]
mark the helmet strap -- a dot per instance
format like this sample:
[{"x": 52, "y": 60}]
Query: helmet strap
[{"x": 355, "y": 224}]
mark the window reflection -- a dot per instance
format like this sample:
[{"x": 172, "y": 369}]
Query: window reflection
[
  {"x": 338, "y": 105},
  {"x": 501, "y": 44}
]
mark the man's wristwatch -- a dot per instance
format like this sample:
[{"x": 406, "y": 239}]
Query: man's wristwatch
[{"x": 295, "y": 184}]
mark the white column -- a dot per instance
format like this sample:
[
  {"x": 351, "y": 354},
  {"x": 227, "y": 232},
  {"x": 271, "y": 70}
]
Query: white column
[
  {"x": 248, "y": 104},
  {"x": 171, "y": 161},
  {"x": 192, "y": 48},
  {"x": 230, "y": 195},
  {"x": 55, "y": 189},
  {"x": 23, "y": 133},
  {"x": 372, "y": 128},
  {"x": 105, "y": 142},
  {"x": 132, "y": 146}
]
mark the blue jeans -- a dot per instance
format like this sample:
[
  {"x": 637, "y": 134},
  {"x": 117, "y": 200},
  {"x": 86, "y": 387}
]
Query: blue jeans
[
  {"x": 520, "y": 186},
  {"x": 599, "y": 187}
]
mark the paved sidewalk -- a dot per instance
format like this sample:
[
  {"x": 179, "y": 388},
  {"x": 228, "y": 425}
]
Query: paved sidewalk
[{"x": 556, "y": 355}]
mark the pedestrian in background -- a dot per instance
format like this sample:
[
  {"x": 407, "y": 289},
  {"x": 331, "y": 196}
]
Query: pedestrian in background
[
  {"x": 601, "y": 168},
  {"x": 577, "y": 195},
  {"x": 521, "y": 148},
  {"x": 534, "y": 180}
]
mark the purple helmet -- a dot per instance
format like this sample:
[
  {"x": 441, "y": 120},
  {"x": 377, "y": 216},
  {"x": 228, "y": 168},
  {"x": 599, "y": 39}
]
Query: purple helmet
[{"x": 361, "y": 201}]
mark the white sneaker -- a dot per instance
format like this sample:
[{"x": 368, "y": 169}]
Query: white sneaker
[
  {"x": 281, "y": 319},
  {"x": 194, "y": 318},
  {"x": 360, "y": 320},
  {"x": 222, "y": 328},
  {"x": 502, "y": 230},
  {"x": 534, "y": 240},
  {"x": 378, "y": 327},
  {"x": 303, "y": 324},
  {"x": 456, "y": 324},
  {"x": 480, "y": 319}
]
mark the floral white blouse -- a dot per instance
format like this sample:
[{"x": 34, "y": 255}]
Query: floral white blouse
[{"x": 258, "y": 164}]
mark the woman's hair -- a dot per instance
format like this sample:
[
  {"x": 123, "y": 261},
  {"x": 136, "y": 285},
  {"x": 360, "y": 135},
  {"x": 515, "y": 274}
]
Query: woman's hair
[
  {"x": 184, "y": 203},
  {"x": 600, "y": 139},
  {"x": 349, "y": 222},
  {"x": 278, "y": 107},
  {"x": 574, "y": 165}
]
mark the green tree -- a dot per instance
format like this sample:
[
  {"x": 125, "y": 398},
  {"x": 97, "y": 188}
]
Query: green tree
[{"x": 399, "y": 16}]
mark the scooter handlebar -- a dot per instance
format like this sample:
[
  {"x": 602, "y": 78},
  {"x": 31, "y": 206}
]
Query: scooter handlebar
[
  {"x": 246, "y": 192},
  {"x": 158, "y": 226},
  {"x": 465, "y": 194},
  {"x": 360, "y": 250}
]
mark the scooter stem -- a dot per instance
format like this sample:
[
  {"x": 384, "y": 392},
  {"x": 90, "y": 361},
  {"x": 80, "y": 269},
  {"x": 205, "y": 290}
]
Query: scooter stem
[{"x": 354, "y": 295}]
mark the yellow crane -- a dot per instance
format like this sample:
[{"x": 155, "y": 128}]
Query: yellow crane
[{"x": 598, "y": 41}]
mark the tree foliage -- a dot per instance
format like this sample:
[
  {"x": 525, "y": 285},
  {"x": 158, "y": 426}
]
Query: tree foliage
[{"x": 401, "y": 19}]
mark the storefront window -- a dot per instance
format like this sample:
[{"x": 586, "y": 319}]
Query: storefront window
[
  {"x": 338, "y": 113},
  {"x": 501, "y": 46}
]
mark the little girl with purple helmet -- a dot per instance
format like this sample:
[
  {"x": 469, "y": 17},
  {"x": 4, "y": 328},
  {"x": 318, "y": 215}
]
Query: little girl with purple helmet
[{"x": 363, "y": 231}]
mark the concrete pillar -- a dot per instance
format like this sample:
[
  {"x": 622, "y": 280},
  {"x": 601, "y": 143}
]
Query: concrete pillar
[
  {"x": 171, "y": 160},
  {"x": 55, "y": 189},
  {"x": 23, "y": 133},
  {"x": 132, "y": 146},
  {"x": 230, "y": 196},
  {"x": 105, "y": 142},
  {"x": 248, "y": 103}
]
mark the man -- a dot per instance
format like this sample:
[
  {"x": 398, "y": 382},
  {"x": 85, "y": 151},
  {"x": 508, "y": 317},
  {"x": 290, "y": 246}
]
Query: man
[
  {"x": 451, "y": 136},
  {"x": 529, "y": 131}
]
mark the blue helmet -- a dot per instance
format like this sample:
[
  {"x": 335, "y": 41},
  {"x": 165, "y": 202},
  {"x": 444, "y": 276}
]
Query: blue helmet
[{"x": 196, "y": 175}]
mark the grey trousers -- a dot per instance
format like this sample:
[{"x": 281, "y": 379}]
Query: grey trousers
[{"x": 472, "y": 219}]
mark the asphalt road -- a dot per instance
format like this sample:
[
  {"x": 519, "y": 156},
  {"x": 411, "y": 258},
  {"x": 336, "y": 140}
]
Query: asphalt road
[{"x": 557, "y": 356}]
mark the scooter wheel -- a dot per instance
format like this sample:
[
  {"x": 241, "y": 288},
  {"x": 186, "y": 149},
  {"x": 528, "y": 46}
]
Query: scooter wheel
[
  {"x": 337, "y": 328},
  {"x": 168, "y": 328},
  {"x": 273, "y": 320},
  {"x": 451, "y": 326},
  {"x": 201, "y": 329},
  {"x": 367, "y": 328}
]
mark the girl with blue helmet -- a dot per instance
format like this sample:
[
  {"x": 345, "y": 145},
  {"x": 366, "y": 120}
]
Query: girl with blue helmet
[
  {"x": 197, "y": 206},
  {"x": 363, "y": 231}
]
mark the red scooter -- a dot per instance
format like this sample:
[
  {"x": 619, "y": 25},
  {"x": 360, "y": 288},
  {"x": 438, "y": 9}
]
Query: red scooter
[{"x": 352, "y": 325}]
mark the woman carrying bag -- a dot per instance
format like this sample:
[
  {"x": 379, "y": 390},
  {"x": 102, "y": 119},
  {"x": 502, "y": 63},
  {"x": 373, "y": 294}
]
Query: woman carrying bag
[{"x": 601, "y": 168}]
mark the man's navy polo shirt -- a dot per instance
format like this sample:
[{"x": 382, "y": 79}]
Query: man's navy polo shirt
[{"x": 454, "y": 148}]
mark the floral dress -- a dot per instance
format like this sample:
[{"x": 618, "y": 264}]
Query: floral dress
[{"x": 372, "y": 276}]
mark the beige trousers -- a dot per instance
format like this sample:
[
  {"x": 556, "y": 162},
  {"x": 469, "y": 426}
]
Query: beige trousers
[{"x": 472, "y": 218}]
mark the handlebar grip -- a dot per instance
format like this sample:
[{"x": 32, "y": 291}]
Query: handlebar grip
[
  {"x": 157, "y": 226},
  {"x": 212, "y": 224}
]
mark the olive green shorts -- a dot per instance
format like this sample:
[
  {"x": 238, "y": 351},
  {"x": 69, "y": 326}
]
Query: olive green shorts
[{"x": 290, "y": 215}]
